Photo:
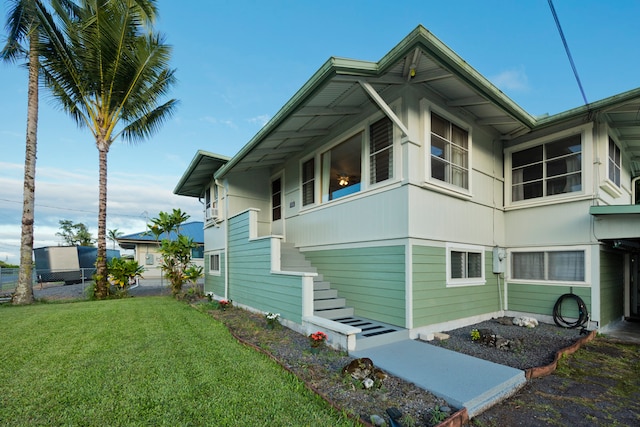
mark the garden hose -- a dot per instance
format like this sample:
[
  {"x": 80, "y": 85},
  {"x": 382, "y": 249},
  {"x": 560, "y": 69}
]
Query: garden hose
[{"x": 582, "y": 310}]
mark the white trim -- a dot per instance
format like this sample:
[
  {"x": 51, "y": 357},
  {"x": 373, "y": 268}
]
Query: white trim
[
  {"x": 470, "y": 281},
  {"x": 426, "y": 108},
  {"x": 586, "y": 138},
  {"x": 212, "y": 272}
]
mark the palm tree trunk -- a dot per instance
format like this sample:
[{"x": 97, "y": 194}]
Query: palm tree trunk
[
  {"x": 101, "y": 261},
  {"x": 24, "y": 289}
]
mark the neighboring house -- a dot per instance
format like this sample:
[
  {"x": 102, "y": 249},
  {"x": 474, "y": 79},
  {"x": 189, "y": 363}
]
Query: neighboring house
[
  {"x": 412, "y": 194},
  {"x": 146, "y": 247}
]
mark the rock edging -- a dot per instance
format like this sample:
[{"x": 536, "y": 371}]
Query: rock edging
[{"x": 543, "y": 371}]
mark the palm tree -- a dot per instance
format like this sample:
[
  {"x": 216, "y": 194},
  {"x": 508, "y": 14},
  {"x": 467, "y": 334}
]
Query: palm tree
[
  {"x": 113, "y": 236},
  {"x": 109, "y": 71},
  {"x": 22, "y": 27}
]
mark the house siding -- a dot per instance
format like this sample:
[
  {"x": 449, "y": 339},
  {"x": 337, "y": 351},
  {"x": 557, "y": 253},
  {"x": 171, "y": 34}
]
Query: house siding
[
  {"x": 251, "y": 281},
  {"x": 372, "y": 279},
  {"x": 540, "y": 299},
  {"x": 611, "y": 287},
  {"x": 434, "y": 302}
]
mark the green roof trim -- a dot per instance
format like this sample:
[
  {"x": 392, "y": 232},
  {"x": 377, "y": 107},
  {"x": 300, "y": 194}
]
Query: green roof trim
[
  {"x": 200, "y": 171},
  {"x": 615, "y": 210}
]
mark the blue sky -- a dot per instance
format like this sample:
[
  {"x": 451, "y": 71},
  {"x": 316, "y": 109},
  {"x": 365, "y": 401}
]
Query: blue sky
[{"x": 239, "y": 62}]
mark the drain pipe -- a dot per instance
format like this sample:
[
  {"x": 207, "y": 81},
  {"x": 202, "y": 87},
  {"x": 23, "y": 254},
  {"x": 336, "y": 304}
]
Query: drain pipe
[{"x": 225, "y": 186}]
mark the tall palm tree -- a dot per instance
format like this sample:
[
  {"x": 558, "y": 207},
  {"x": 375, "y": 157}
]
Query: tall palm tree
[
  {"x": 109, "y": 71},
  {"x": 22, "y": 44}
]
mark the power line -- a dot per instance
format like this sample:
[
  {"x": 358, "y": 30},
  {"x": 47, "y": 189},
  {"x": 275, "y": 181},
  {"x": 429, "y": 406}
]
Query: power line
[
  {"x": 566, "y": 48},
  {"x": 70, "y": 209}
]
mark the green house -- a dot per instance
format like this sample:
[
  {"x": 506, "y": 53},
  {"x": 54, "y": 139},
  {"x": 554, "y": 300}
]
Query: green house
[{"x": 408, "y": 196}]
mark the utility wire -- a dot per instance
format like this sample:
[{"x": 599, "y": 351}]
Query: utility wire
[{"x": 566, "y": 48}]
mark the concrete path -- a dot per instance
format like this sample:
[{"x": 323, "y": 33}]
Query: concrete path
[{"x": 462, "y": 380}]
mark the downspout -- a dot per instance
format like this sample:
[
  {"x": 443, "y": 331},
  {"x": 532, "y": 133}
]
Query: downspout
[{"x": 226, "y": 236}]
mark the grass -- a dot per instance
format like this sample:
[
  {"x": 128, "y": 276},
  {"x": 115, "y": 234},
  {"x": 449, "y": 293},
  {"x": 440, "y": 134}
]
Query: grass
[{"x": 141, "y": 361}]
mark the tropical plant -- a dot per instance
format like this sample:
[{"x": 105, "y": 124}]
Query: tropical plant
[
  {"x": 175, "y": 249},
  {"x": 317, "y": 339},
  {"x": 123, "y": 273},
  {"x": 109, "y": 71}
]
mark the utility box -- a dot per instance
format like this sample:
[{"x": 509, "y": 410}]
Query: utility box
[{"x": 499, "y": 259}]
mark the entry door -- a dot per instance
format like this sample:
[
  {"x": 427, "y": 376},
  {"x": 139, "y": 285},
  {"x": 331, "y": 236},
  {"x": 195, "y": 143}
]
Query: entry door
[{"x": 277, "y": 211}]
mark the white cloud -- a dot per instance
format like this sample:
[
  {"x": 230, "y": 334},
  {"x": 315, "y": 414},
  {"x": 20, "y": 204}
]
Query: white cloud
[
  {"x": 260, "y": 120},
  {"x": 514, "y": 79},
  {"x": 73, "y": 195},
  {"x": 216, "y": 121}
]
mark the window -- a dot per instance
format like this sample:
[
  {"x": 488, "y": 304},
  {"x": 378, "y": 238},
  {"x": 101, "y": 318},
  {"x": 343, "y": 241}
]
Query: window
[
  {"x": 449, "y": 152},
  {"x": 547, "y": 169},
  {"x": 614, "y": 162},
  {"x": 308, "y": 182},
  {"x": 214, "y": 263},
  {"x": 197, "y": 252},
  {"x": 562, "y": 266},
  {"x": 276, "y": 199},
  {"x": 381, "y": 150},
  {"x": 341, "y": 169},
  {"x": 465, "y": 265}
]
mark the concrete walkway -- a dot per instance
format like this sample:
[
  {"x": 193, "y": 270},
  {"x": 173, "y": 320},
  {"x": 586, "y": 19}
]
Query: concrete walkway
[{"x": 462, "y": 380}]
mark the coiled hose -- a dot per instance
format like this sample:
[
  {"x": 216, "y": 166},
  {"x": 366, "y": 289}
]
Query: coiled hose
[{"x": 583, "y": 315}]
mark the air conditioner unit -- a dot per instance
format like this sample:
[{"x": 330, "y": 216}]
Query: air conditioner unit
[{"x": 211, "y": 214}]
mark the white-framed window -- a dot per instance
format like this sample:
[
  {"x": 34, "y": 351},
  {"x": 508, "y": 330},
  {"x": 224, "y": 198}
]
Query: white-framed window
[
  {"x": 211, "y": 203},
  {"x": 560, "y": 265},
  {"x": 614, "y": 162},
  {"x": 214, "y": 263},
  {"x": 342, "y": 168},
  {"x": 547, "y": 169},
  {"x": 308, "y": 183},
  {"x": 276, "y": 199},
  {"x": 450, "y": 161},
  {"x": 465, "y": 265}
]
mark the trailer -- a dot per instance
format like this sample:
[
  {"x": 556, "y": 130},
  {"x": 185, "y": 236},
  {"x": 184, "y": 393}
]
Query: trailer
[{"x": 68, "y": 264}]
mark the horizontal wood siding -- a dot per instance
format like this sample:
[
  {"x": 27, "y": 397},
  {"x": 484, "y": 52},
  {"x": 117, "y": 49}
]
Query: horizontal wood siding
[
  {"x": 213, "y": 282},
  {"x": 611, "y": 287},
  {"x": 250, "y": 279},
  {"x": 434, "y": 302},
  {"x": 372, "y": 280},
  {"x": 540, "y": 299}
]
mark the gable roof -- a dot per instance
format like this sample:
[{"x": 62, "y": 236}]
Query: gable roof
[
  {"x": 342, "y": 88},
  {"x": 194, "y": 230},
  {"x": 199, "y": 173}
]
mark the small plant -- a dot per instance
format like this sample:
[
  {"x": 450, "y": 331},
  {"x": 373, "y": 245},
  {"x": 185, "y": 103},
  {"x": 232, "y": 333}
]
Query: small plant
[
  {"x": 273, "y": 320},
  {"x": 437, "y": 416},
  {"x": 123, "y": 273},
  {"x": 223, "y": 304},
  {"x": 475, "y": 335},
  {"x": 317, "y": 339}
]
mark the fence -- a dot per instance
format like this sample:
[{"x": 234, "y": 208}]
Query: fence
[{"x": 9, "y": 277}]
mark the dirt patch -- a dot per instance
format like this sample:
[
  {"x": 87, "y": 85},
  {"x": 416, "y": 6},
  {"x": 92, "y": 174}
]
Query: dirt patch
[{"x": 597, "y": 386}]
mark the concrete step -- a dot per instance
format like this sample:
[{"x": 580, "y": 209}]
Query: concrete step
[
  {"x": 331, "y": 303},
  {"x": 321, "y": 286},
  {"x": 334, "y": 313},
  {"x": 324, "y": 293}
]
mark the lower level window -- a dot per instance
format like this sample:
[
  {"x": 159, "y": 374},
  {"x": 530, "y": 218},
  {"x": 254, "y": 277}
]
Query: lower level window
[
  {"x": 214, "y": 263},
  {"x": 561, "y": 266},
  {"x": 465, "y": 265}
]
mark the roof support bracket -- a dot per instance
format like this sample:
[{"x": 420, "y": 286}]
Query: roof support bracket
[{"x": 385, "y": 108}]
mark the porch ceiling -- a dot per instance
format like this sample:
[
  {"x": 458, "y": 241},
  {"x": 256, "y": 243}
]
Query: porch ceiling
[
  {"x": 337, "y": 95},
  {"x": 624, "y": 121}
]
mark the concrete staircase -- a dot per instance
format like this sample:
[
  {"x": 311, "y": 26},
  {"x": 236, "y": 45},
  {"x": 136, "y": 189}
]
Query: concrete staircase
[{"x": 326, "y": 302}]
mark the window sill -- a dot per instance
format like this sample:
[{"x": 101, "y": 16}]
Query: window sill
[
  {"x": 548, "y": 283},
  {"x": 452, "y": 283},
  {"x": 450, "y": 190},
  {"x": 611, "y": 188},
  {"x": 547, "y": 201}
]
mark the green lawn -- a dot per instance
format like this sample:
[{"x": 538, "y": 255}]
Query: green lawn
[{"x": 141, "y": 361}]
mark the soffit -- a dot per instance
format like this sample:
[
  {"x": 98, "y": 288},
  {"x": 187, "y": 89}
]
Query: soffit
[
  {"x": 335, "y": 96},
  {"x": 624, "y": 121}
]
